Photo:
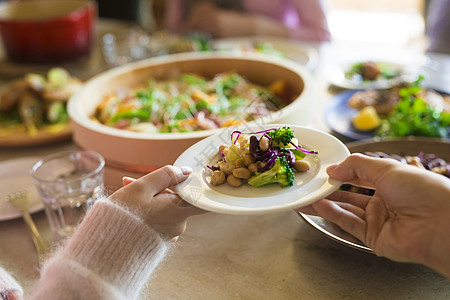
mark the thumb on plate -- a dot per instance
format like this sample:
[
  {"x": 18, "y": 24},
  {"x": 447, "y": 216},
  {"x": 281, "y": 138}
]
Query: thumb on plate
[{"x": 127, "y": 180}]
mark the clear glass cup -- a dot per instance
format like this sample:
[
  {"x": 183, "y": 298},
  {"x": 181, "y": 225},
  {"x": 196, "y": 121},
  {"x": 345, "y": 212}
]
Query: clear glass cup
[
  {"x": 125, "y": 46},
  {"x": 69, "y": 183}
]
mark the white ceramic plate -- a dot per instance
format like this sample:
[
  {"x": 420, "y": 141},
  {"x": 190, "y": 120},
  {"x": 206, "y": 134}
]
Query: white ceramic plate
[
  {"x": 246, "y": 200},
  {"x": 15, "y": 176},
  {"x": 336, "y": 76},
  {"x": 297, "y": 51}
]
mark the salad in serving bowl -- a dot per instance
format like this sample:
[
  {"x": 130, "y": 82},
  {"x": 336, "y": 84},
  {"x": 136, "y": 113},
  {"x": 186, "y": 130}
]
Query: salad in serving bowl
[
  {"x": 191, "y": 102},
  {"x": 166, "y": 104}
]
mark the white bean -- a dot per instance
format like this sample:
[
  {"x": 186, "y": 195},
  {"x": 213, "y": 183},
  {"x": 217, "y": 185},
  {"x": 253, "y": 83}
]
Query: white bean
[
  {"x": 242, "y": 173},
  {"x": 218, "y": 177},
  {"x": 264, "y": 143},
  {"x": 253, "y": 168},
  {"x": 302, "y": 166},
  {"x": 248, "y": 159},
  {"x": 233, "y": 181}
]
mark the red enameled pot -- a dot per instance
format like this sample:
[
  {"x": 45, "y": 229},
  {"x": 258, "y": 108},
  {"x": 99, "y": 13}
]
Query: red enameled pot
[{"x": 45, "y": 31}]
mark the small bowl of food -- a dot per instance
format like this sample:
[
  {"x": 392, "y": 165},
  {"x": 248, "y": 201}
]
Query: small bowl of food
[
  {"x": 47, "y": 31},
  {"x": 144, "y": 115}
]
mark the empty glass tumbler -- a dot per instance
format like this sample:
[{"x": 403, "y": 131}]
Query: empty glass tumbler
[{"x": 68, "y": 183}]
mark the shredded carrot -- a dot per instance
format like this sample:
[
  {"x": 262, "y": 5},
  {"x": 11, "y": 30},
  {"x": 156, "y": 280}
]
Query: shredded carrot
[
  {"x": 126, "y": 107},
  {"x": 278, "y": 87},
  {"x": 198, "y": 95},
  {"x": 187, "y": 122},
  {"x": 230, "y": 122}
]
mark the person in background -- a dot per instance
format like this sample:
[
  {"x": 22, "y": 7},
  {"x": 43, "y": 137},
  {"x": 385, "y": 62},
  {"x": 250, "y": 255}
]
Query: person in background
[
  {"x": 296, "y": 19},
  {"x": 118, "y": 244},
  {"x": 406, "y": 220},
  {"x": 437, "y": 28}
]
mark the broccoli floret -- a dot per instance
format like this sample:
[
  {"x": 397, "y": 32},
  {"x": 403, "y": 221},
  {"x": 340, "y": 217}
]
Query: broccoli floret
[
  {"x": 282, "y": 135},
  {"x": 281, "y": 172}
]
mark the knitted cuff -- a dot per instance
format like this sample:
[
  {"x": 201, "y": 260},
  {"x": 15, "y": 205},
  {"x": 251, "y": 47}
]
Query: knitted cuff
[
  {"x": 8, "y": 286},
  {"x": 117, "y": 245}
]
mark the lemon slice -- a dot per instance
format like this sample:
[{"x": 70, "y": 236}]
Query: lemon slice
[{"x": 366, "y": 119}]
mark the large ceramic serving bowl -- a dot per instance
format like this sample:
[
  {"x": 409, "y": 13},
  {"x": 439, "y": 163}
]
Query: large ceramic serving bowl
[{"x": 144, "y": 152}]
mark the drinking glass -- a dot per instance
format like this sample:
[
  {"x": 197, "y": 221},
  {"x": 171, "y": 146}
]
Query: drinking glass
[
  {"x": 69, "y": 183},
  {"x": 125, "y": 46}
]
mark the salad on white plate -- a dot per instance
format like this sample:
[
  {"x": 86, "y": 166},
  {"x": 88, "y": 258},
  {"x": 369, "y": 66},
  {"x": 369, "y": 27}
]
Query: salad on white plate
[{"x": 267, "y": 195}]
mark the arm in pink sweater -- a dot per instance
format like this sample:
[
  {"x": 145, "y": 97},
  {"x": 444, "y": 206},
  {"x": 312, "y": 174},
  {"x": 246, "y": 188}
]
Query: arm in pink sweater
[
  {"x": 103, "y": 260},
  {"x": 313, "y": 21},
  {"x": 115, "y": 249},
  {"x": 9, "y": 288},
  {"x": 303, "y": 20}
]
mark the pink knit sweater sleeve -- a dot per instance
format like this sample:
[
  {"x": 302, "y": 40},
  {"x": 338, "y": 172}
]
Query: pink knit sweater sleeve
[
  {"x": 9, "y": 288},
  {"x": 313, "y": 21},
  {"x": 103, "y": 260},
  {"x": 304, "y": 20}
]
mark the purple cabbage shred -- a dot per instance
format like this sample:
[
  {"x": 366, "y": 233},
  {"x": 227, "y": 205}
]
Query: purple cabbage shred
[{"x": 304, "y": 150}]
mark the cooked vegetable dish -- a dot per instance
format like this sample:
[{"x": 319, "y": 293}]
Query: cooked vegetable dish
[
  {"x": 405, "y": 109},
  {"x": 371, "y": 71},
  {"x": 428, "y": 161},
  {"x": 190, "y": 103},
  {"x": 260, "y": 158},
  {"x": 263, "y": 47},
  {"x": 37, "y": 101}
]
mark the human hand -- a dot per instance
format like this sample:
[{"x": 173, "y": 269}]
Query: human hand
[
  {"x": 408, "y": 217},
  {"x": 152, "y": 200}
]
